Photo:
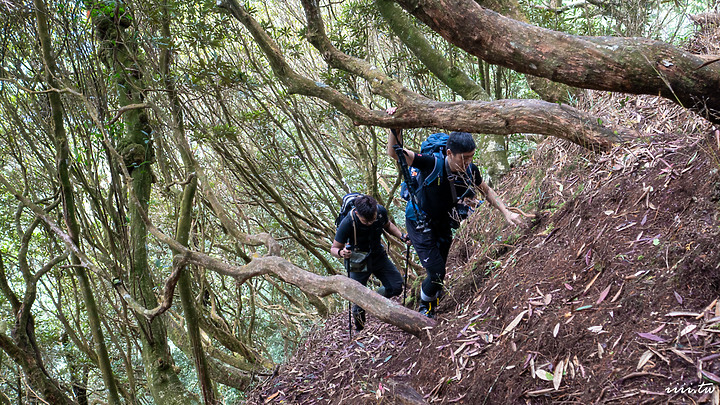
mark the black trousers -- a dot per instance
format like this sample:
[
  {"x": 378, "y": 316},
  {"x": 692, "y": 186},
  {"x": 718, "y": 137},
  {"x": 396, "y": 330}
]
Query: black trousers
[
  {"x": 383, "y": 268},
  {"x": 432, "y": 247}
]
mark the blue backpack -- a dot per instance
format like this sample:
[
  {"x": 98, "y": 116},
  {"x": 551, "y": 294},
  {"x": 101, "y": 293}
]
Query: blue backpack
[{"x": 434, "y": 145}]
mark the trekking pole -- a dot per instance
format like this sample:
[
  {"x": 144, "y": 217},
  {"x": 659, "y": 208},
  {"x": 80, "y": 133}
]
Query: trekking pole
[
  {"x": 350, "y": 322},
  {"x": 405, "y": 171},
  {"x": 407, "y": 261}
]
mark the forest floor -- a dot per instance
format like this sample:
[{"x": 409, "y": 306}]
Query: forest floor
[{"x": 609, "y": 295}]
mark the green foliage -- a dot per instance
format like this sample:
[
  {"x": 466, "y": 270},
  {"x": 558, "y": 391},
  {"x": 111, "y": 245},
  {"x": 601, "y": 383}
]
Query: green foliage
[
  {"x": 102, "y": 9},
  {"x": 625, "y": 18}
]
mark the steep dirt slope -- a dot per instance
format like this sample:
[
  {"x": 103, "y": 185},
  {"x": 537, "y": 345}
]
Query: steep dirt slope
[{"x": 608, "y": 296}]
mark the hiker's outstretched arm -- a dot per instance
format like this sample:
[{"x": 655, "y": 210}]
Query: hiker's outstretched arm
[
  {"x": 395, "y": 138},
  {"x": 496, "y": 202},
  {"x": 393, "y": 230}
]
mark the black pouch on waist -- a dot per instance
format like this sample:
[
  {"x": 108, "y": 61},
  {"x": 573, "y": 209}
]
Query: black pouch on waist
[{"x": 358, "y": 262}]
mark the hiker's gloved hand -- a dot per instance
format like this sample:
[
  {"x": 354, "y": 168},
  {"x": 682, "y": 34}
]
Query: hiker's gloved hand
[
  {"x": 405, "y": 238},
  {"x": 344, "y": 253}
]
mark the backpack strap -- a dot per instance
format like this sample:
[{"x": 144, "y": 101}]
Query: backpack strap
[
  {"x": 436, "y": 172},
  {"x": 470, "y": 178},
  {"x": 453, "y": 191},
  {"x": 352, "y": 219}
]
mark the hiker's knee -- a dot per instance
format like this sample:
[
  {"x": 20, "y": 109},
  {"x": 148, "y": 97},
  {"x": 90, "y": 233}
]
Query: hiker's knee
[
  {"x": 436, "y": 270},
  {"x": 393, "y": 290}
]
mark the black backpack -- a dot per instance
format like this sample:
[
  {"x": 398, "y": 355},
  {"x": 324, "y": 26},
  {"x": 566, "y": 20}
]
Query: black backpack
[{"x": 348, "y": 203}]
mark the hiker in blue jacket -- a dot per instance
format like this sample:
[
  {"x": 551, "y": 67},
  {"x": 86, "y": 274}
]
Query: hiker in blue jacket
[
  {"x": 357, "y": 240},
  {"x": 438, "y": 207}
]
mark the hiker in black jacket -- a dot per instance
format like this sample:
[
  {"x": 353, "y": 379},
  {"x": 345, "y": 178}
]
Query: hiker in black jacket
[
  {"x": 357, "y": 240},
  {"x": 430, "y": 221}
]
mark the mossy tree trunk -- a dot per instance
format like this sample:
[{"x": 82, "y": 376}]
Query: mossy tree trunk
[
  {"x": 431, "y": 57},
  {"x": 123, "y": 58},
  {"x": 187, "y": 297},
  {"x": 184, "y": 224}
]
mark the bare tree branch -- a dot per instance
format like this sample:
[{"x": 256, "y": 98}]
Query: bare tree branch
[
  {"x": 125, "y": 109},
  {"x": 168, "y": 292},
  {"x": 629, "y": 65}
]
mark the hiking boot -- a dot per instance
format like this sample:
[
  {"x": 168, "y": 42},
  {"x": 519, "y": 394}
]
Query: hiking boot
[
  {"x": 427, "y": 308},
  {"x": 358, "y": 317}
]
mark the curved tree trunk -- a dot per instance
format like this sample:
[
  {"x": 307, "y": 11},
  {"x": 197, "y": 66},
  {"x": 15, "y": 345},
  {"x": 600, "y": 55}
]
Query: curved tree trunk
[
  {"x": 21, "y": 346},
  {"x": 630, "y": 65},
  {"x": 384, "y": 309},
  {"x": 63, "y": 160}
]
